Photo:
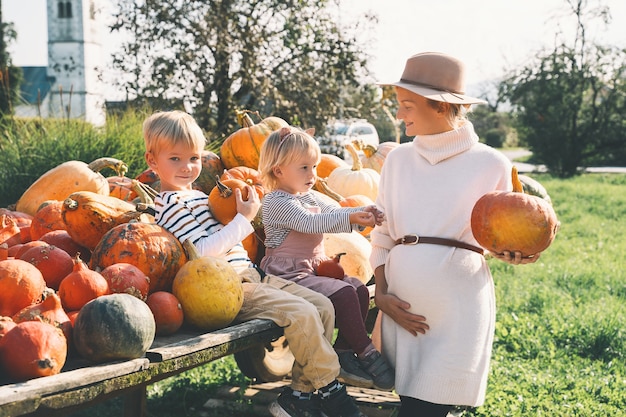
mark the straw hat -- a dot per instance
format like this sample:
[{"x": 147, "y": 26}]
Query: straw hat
[{"x": 436, "y": 76}]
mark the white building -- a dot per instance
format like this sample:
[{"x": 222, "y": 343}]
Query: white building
[{"x": 70, "y": 85}]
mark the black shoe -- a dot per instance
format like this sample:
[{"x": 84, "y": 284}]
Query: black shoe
[
  {"x": 379, "y": 369},
  {"x": 288, "y": 405},
  {"x": 351, "y": 372},
  {"x": 339, "y": 404}
]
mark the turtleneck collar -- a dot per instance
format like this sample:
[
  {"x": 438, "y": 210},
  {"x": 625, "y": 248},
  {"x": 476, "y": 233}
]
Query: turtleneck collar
[{"x": 438, "y": 147}]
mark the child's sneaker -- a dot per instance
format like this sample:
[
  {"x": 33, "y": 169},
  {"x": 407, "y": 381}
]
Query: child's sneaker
[
  {"x": 339, "y": 404},
  {"x": 351, "y": 372},
  {"x": 379, "y": 369},
  {"x": 289, "y": 405}
]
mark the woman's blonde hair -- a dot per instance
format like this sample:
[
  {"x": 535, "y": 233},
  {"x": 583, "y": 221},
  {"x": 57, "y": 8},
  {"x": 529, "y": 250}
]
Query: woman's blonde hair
[
  {"x": 456, "y": 114},
  {"x": 168, "y": 128},
  {"x": 283, "y": 147}
]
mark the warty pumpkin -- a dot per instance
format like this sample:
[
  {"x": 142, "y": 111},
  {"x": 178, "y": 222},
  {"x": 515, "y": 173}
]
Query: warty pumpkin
[
  {"x": 114, "y": 327},
  {"x": 127, "y": 278},
  {"x": 354, "y": 180},
  {"x": 88, "y": 216},
  {"x": 33, "y": 349},
  {"x": 209, "y": 289},
  {"x": 212, "y": 168},
  {"x": 54, "y": 263},
  {"x": 149, "y": 247},
  {"x": 242, "y": 147},
  {"x": 67, "y": 178}
]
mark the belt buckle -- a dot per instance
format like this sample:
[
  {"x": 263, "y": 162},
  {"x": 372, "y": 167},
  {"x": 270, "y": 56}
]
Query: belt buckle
[{"x": 408, "y": 239}]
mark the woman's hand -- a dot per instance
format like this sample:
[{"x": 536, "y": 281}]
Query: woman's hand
[
  {"x": 250, "y": 207},
  {"x": 397, "y": 310},
  {"x": 515, "y": 258}
]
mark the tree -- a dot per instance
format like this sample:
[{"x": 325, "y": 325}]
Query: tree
[
  {"x": 286, "y": 58},
  {"x": 569, "y": 103},
  {"x": 10, "y": 76}
]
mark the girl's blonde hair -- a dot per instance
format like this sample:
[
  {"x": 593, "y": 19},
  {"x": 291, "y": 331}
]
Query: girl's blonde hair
[
  {"x": 168, "y": 128},
  {"x": 282, "y": 147}
]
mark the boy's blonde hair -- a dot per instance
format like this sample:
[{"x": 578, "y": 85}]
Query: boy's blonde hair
[
  {"x": 283, "y": 147},
  {"x": 168, "y": 128}
]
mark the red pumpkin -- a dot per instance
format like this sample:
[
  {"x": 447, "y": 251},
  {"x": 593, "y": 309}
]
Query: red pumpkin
[
  {"x": 62, "y": 240},
  {"x": 513, "y": 221},
  {"x": 167, "y": 311},
  {"x": 49, "y": 311},
  {"x": 21, "y": 284},
  {"x": 54, "y": 263},
  {"x": 6, "y": 324},
  {"x": 81, "y": 286},
  {"x": 127, "y": 278},
  {"x": 331, "y": 268},
  {"x": 33, "y": 349}
]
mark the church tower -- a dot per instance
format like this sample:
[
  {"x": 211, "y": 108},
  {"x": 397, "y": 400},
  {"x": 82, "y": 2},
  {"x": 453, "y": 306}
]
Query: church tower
[{"x": 75, "y": 60}]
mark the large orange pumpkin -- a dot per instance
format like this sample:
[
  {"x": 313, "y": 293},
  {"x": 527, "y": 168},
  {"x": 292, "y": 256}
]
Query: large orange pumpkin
[
  {"x": 33, "y": 349},
  {"x": 150, "y": 247},
  {"x": 243, "y": 146},
  {"x": 514, "y": 221}
]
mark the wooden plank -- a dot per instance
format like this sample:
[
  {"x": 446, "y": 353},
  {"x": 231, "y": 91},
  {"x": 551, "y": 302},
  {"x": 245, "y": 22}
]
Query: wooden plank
[{"x": 212, "y": 340}]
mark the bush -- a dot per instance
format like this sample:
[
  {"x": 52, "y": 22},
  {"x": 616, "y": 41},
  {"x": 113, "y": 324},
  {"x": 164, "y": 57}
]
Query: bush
[{"x": 31, "y": 147}]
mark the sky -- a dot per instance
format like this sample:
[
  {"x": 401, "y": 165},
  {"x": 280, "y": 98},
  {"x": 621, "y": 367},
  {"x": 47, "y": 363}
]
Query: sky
[{"x": 489, "y": 36}]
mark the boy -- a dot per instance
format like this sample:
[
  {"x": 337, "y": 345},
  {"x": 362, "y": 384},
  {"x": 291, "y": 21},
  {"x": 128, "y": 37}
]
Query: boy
[{"x": 174, "y": 144}]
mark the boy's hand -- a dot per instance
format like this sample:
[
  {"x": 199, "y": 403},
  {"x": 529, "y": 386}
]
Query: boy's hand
[{"x": 250, "y": 207}]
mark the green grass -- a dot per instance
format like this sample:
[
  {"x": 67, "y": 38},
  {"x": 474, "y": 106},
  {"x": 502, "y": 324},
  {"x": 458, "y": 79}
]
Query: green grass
[{"x": 560, "y": 339}]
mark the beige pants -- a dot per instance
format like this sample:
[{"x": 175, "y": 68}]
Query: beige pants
[{"x": 308, "y": 319}]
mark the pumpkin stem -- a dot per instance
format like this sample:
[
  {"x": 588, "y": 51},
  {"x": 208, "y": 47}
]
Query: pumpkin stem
[
  {"x": 517, "y": 184},
  {"x": 70, "y": 204},
  {"x": 243, "y": 118},
  {"x": 337, "y": 257},
  {"x": 192, "y": 251},
  {"x": 115, "y": 164},
  {"x": 357, "y": 165},
  {"x": 322, "y": 186},
  {"x": 144, "y": 191},
  {"x": 369, "y": 150},
  {"x": 225, "y": 190}
]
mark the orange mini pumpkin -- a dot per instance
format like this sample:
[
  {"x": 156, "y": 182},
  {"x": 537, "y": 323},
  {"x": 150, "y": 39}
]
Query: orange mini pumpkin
[{"x": 222, "y": 199}]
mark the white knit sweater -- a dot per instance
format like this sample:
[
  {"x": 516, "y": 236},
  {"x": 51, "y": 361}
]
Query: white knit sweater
[{"x": 429, "y": 187}]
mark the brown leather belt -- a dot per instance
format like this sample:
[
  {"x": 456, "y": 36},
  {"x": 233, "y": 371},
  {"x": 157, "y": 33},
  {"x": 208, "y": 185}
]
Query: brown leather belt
[{"x": 415, "y": 239}]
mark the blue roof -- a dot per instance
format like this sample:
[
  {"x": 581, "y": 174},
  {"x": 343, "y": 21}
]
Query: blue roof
[{"x": 35, "y": 82}]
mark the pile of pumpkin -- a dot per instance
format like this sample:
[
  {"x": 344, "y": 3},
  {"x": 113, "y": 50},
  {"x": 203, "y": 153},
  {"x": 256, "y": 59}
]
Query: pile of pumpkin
[{"x": 85, "y": 271}]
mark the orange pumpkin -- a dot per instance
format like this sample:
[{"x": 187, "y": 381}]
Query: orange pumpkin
[
  {"x": 243, "y": 146},
  {"x": 167, "y": 312},
  {"x": 33, "y": 349},
  {"x": 328, "y": 163},
  {"x": 222, "y": 199},
  {"x": 54, "y": 263},
  {"x": 21, "y": 284},
  {"x": 47, "y": 218},
  {"x": 212, "y": 168},
  {"x": 81, "y": 286},
  {"x": 50, "y": 310},
  {"x": 149, "y": 247}
]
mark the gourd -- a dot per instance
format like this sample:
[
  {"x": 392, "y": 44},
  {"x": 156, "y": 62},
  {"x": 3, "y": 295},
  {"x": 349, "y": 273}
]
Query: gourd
[
  {"x": 242, "y": 147},
  {"x": 88, "y": 216},
  {"x": 54, "y": 263},
  {"x": 328, "y": 163},
  {"x": 167, "y": 312},
  {"x": 67, "y": 178},
  {"x": 357, "y": 250},
  {"x": 514, "y": 221},
  {"x": 127, "y": 278},
  {"x": 50, "y": 311},
  {"x": 354, "y": 180},
  {"x": 81, "y": 286},
  {"x": 149, "y": 247},
  {"x": 21, "y": 284},
  {"x": 32, "y": 349},
  {"x": 212, "y": 167},
  {"x": 209, "y": 290},
  {"x": 114, "y": 327},
  {"x": 374, "y": 156}
]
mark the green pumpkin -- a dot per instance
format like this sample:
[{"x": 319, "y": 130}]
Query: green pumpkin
[{"x": 114, "y": 327}]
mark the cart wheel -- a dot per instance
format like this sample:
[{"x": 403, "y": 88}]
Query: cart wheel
[{"x": 266, "y": 363}]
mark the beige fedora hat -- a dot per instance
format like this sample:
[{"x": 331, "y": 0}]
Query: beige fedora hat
[{"x": 436, "y": 76}]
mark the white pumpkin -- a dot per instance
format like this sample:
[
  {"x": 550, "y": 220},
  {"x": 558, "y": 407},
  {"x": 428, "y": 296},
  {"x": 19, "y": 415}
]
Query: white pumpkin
[
  {"x": 347, "y": 181},
  {"x": 357, "y": 249},
  {"x": 374, "y": 156}
]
